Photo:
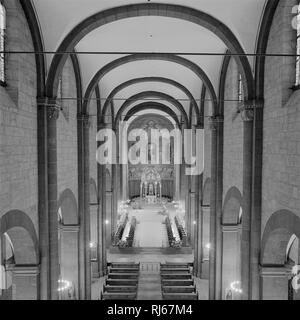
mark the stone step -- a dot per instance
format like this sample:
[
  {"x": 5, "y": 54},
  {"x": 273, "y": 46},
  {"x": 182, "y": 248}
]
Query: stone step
[
  {"x": 176, "y": 289},
  {"x": 177, "y": 283},
  {"x": 111, "y": 289},
  {"x": 122, "y": 282},
  {"x": 174, "y": 270},
  {"x": 119, "y": 296},
  {"x": 180, "y": 296},
  {"x": 175, "y": 276},
  {"x": 124, "y": 265},
  {"x": 123, "y": 276},
  {"x": 174, "y": 265},
  {"x": 123, "y": 270}
]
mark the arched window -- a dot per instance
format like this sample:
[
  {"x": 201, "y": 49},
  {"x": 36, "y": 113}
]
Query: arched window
[
  {"x": 240, "y": 88},
  {"x": 298, "y": 47},
  {"x": 2, "y": 42}
]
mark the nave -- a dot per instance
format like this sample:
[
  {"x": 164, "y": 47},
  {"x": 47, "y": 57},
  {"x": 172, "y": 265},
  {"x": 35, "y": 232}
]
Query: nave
[{"x": 150, "y": 132}]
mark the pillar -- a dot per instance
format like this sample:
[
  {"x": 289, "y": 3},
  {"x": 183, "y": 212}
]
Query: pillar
[
  {"x": 274, "y": 282},
  {"x": 256, "y": 200},
  {"x": 213, "y": 201},
  {"x": 102, "y": 209},
  {"x": 247, "y": 117},
  {"x": 43, "y": 199},
  {"x": 25, "y": 282},
  {"x": 52, "y": 116}
]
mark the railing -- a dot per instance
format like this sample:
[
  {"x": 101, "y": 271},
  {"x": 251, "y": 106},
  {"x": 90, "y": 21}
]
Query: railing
[{"x": 181, "y": 232}]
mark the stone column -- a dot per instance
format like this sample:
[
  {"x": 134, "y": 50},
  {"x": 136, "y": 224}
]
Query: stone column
[
  {"x": 108, "y": 217},
  {"x": 256, "y": 200},
  {"x": 85, "y": 233},
  {"x": 213, "y": 202},
  {"x": 102, "y": 209},
  {"x": 25, "y": 282},
  {"x": 52, "y": 116},
  {"x": 198, "y": 228},
  {"x": 219, "y": 207},
  {"x": 247, "y": 117},
  {"x": 274, "y": 282}
]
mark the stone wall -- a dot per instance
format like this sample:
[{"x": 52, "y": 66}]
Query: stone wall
[
  {"x": 67, "y": 157},
  {"x": 233, "y": 133},
  {"x": 18, "y": 120},
  {"x": 281, "y": 134}
]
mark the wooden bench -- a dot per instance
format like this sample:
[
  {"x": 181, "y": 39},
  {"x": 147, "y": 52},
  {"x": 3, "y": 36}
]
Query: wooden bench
[
  {"x": 176, "y": 289},
  {"x": 175, "y": 276},
  {"x": 121, "y": 282},
  {"x": 118, "y": 296},
  {"x": 180, "y": 296},
  {"x": 111, "y": 289},
  {"x": 177, "y": 283},
  {"x": 123, "y": 276}
]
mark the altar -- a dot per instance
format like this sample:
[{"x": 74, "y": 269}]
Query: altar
[{"x": 150, "y": 188}]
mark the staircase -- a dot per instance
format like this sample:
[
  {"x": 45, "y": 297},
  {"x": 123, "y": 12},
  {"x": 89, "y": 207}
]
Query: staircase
[
  {"x": 121, "y": 282},
  {"x": 149, "y": 287}
]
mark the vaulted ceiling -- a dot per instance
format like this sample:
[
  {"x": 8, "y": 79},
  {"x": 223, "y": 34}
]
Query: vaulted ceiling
[{"x": 149, "y": 34}]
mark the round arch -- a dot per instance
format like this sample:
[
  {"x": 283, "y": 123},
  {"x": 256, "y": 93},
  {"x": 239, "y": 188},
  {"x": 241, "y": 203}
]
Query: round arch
[
  {"x": 68, "y": 205},
  {"x": 152, "y": 105},
  {"x": 152, "y": 79},
  {"x": 151, "y": 9},
  {"x": 277, "y": 234},
  {"x": 152, "y": 94},
  {"x": 21, "y": 231},
  {"x": 150, "y": 56},
  {"x": 232, "y": 206}
]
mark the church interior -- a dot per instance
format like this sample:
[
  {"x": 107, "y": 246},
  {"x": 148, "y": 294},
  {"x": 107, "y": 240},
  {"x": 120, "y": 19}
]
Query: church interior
[{"x": 218, "y": 219}]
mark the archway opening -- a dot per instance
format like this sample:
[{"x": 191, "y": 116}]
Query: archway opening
[
  {"x": 231, "y": 246},
  {"x": 68, "y": 247}
]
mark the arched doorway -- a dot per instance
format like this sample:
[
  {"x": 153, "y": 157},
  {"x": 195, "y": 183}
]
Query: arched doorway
[
  {"x": 68, "y": 246},
  {"x": 280, "y": 249},
  {"x": 231, "y": 245},
  {"x": 19, "y": 270}
]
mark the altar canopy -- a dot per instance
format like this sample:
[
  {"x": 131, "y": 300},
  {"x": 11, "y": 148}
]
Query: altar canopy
[{"x": 150, "y": 188}]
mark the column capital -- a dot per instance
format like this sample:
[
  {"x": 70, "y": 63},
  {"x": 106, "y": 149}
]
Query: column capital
[
  {"x": 53, "y": 107},
  {"x": 248, "y": 107},
  {"x": 214, "y": 122},
  {"x": 274, "y": 271},
  {"x": 85, "y": 118},
  {"x": 30, "y": 270}
]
